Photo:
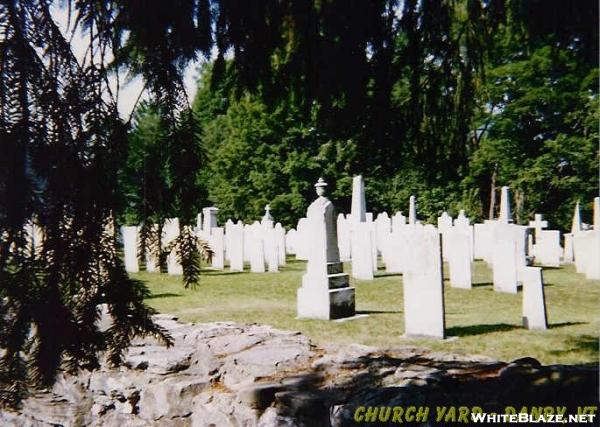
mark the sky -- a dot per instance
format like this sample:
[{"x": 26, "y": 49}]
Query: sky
[{"x": 130, "y": 88}]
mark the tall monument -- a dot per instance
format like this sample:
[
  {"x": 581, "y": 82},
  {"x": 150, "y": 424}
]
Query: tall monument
[{"x": 325, "y": 292}]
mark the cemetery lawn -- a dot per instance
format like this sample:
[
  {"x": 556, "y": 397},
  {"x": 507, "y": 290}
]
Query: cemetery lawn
[{"x": 485, "y": 322}]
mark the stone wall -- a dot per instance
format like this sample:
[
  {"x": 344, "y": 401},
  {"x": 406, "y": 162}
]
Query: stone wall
[{"x": 254, "y": 375}]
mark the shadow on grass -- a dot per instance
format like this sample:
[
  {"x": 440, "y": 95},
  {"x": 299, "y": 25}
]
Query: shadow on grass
[
  {"x": 221, "y": 272},
  {"x": 378, "y": 312},
  {"x": 378, "y": 275},
  {"x": 481, "y": 284},
  {"x": 563, "y": 324},
  {"x": 165, "y": 295},
  {"x": 464, "y": 331},
  {"x": 587, "y": 344}
]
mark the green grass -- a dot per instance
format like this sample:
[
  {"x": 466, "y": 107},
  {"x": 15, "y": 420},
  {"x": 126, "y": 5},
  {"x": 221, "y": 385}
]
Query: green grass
[{"x": 485, "y": 322}]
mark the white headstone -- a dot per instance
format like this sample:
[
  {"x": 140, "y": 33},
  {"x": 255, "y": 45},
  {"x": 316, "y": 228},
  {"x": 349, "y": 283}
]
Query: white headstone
[
  {"x": 412, "y": 210},
  {"x": 256, "y": 248},
  {"x": 534, "y": 303},
  {"x": 462, "y": 223},
  {"x": 359, "y": 204},
  {"x": 152, "y": 261},
  {"x": 236, "y": 247},
  {"x": 444, "y": 224},
  {"x": 576, "y": 222},
  {"x": 459, "y": 257},
  {"x": 290, "y": 241},
  {"x": 547, "y": 248},
  {"x": 423, "y": 286},
  {"x": 324, "y": 293},
  {"x": 394, "y": 251},
  {"x": 267, "y": 217},
  {"x": 271, "y": 250},
  {"x": 228, "y": 225},
  {"x": 343, "y": 235},
  {"x": 596, "y": 214},
  {"x": 130, "y": 248},
  {"x": 170, "y": 233},
  {"x": 505, "y": 211},
  {"x": 362, "y": 251},
  {"x": 302, "y": 239},
  {"x": 217, "y": 243},
  {"x": 280, "y": 241},
  {"x": 383, "y": 228},
  {"x": 483, "y": 240},
  {"x": 538, "y": 224},
  {"x": 210, "y": 219},
  {"x": 247, "y": 239},
  {"x": 398, "y": 221},
  {"x": 504, "y": 264}
]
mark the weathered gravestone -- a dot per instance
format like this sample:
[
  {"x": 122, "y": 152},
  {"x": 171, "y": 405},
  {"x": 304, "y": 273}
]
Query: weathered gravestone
[
  {"x": 325, "y": 292},
  {"x": 130, "y": 248},
  {"x": 534, "y": 302},
  {"x": 423, "y": 286}
]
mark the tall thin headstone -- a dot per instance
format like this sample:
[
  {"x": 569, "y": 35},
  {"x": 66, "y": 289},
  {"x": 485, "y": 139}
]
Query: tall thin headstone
[
  {"x": 505, "y": 211},
  {"x": 130, "y": 248},
  {"x": 423, "y": 286},
  {"x": 217, "y": 244},
  {"x": 534, "y": 302},
  {"x": 343, "y": 233},
  {"x": 171, "y": 232},
  {"x": 236, "y": 247},
  {"x": 325, "y": 292},
  {"x": 280, "y": 241},
  {"x": 412, "y": 210},
  {"x": 359, "y": 204}
]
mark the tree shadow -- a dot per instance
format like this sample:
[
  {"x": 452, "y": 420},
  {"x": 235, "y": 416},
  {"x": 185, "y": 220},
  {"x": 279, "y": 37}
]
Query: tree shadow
[
  {"x": 587, "y": 344},
  {"x": 463, "y": 331},
  {"x": 165, "y": 295}
]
